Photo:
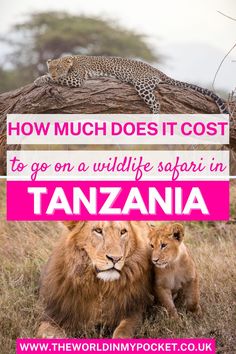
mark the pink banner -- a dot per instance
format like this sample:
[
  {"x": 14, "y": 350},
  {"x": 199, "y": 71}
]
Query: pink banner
[
  {"x": 109, "y": 346},
  {"x": 119, "y": 200}
]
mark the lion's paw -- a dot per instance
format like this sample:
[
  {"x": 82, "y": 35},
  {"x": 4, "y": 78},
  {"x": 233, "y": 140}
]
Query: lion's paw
[
  {"x": 121, "y": 333},
  {"x": 48, "y": 331}
]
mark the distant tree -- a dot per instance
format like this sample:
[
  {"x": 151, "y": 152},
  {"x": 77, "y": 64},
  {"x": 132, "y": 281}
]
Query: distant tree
[{"x": 53, "y": 34}]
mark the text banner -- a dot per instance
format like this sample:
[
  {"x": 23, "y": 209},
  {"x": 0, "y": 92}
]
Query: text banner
[{"x": 119, "y": 129}]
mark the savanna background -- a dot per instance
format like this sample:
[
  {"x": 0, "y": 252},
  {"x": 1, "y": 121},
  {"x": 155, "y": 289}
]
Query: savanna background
[{"x": 190, "y": 41}]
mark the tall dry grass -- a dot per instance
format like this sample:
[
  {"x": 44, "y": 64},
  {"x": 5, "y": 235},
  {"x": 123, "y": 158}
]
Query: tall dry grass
[{"x": 24, "y": 248}]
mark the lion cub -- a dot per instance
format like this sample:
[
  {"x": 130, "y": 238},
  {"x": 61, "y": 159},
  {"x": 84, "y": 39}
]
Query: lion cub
[{"x": 174, "y": 268}]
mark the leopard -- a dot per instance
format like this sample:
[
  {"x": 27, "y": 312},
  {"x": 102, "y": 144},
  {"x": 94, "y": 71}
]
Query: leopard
[{"x": 74, "y": 70}]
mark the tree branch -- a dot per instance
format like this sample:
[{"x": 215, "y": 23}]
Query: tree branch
[
  {"x": 105, "y": 95},
  {"x": 231, "y": 18}
]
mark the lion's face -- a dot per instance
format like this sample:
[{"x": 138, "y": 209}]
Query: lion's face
[
  {"x": 107, "y": 244},
  {"x": 165, "y": 242},
  {"x": 59, "y": 68}
]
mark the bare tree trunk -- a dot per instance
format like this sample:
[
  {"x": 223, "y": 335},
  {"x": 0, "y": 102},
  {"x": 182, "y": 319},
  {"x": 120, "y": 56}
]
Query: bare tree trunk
[{"x": 105, "y": 95}]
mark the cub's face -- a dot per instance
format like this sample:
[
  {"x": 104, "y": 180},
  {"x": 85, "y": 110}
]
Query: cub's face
[
  {"x": 59, "y": 68},
  {"x": 165, "y": 241},
  {"x": 107, "y": 244}
]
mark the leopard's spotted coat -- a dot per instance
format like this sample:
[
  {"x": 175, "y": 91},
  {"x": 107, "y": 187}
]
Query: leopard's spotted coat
[{"x": 74, "y": 70}]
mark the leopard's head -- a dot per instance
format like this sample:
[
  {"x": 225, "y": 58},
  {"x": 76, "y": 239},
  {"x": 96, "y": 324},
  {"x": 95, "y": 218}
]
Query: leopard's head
[{"x": 59, "y": 68}]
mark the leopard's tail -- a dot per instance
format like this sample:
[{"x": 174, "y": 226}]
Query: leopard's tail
[{"x": 219, "y": 102}]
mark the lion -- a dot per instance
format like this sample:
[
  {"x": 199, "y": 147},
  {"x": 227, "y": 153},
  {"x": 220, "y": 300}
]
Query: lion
[
  {"x": 98, "y": 274},
  {"x": 174, "y": 268}
]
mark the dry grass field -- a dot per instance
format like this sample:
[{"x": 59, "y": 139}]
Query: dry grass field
[{"x": 24, "y": 248}]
